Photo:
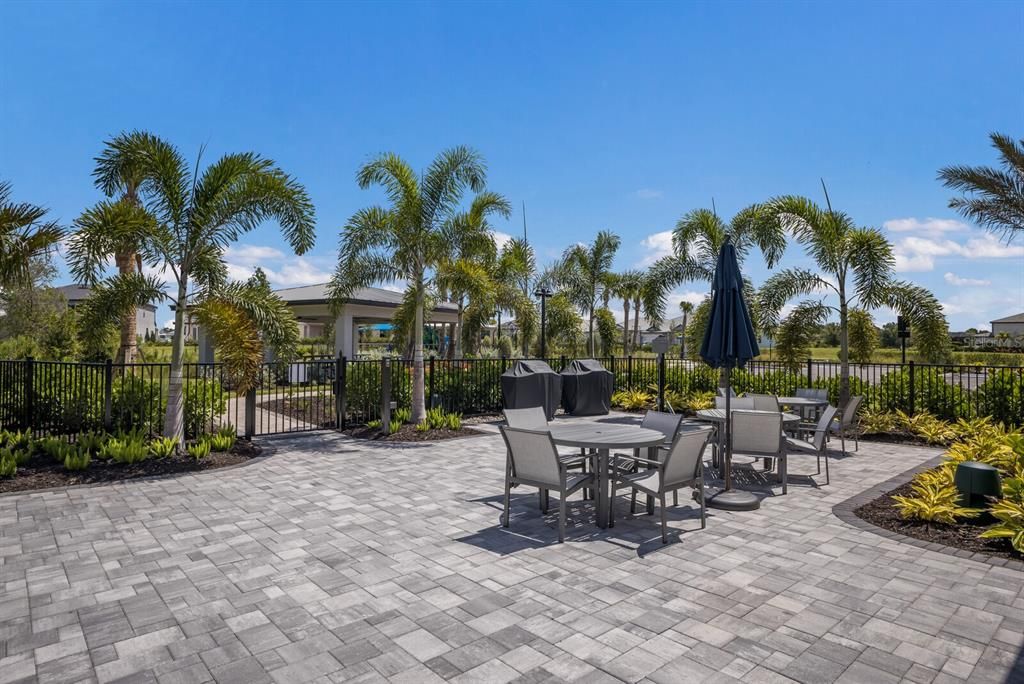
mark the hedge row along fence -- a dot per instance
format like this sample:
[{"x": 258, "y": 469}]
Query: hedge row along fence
[{"x": 67, "y": 398}]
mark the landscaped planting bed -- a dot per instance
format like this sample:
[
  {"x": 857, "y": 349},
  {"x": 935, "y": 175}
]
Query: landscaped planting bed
[
  {"x": 28, "y": 464},
  {"x": 437, "y": 425},
  {"x": 930, "y": 508}
]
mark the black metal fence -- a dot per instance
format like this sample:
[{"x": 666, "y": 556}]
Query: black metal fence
[{"x": 335, "y": 393}]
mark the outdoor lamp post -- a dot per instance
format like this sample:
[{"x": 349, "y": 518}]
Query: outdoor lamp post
[{"x": 543, "y": 293}]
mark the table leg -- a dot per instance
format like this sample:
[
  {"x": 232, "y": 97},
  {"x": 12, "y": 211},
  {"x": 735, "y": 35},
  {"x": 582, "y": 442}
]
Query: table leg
[
  {"x": 602, "y": 488},
  {"x": 652, "y": 455}
]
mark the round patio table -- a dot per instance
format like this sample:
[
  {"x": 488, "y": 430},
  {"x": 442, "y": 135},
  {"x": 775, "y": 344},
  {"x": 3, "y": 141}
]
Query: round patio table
[{"x": 602, "y": 438}]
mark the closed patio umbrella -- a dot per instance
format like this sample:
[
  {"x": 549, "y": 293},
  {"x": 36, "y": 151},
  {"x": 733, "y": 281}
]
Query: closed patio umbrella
[{"x": 729, "y": 342}]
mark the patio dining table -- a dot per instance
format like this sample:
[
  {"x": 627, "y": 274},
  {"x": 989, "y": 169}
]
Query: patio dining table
[{"x": 603, "y": 438}]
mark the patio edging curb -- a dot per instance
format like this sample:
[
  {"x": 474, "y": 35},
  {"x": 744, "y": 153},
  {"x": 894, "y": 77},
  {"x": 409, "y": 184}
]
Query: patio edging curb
[{"x": 844, "y": 510}]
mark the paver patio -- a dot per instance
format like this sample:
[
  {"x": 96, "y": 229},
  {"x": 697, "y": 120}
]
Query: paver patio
[{"x": 340, "y": 561}]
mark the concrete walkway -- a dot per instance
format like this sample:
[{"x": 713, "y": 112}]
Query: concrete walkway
[{"x": 338, "y": 561}]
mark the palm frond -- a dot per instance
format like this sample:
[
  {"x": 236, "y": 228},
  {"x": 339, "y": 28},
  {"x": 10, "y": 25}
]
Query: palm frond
[
  {"x": 104, "y": 230},
  {"x": 871, "y": 258},
  {"x": 782, "y": 287},
  {"x": 23, "y": 236},
  {"x": 446, "y": 178},
  {"x": 113, "y": 298},
  {"x": 993, "y": 198}
]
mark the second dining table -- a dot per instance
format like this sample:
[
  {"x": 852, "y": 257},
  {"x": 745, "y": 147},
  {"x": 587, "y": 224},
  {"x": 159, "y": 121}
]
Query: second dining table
[{"x": 602, "y": 438}]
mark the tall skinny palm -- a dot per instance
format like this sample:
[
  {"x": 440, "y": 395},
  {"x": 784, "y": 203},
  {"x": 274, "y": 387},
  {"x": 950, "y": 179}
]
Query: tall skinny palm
[
  {"x": 406, "y": 240},
  {"x": 686, "y": 308},
  {"x": 859, "y": 262},
  {"x": 23, "y": 236},
  {"x": 628, "y": 286},
  {"x": 192, "y": 218},
  {"x": 994, "y": 198},
  {"x": 583, "y": 275}
]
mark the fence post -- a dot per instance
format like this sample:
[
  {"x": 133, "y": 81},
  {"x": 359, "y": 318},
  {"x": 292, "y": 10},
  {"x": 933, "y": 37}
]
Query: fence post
[
  {"x": 629, "y": 371},
  {"x": 661, "y": 382},
  {"x": 614, "y": 376},
  {"x": 29, "y": 407},
  {"x": 430, "y": 385},
  {"x": 561, "y": 363},
  {"x": 912, "y": 397},
  {"x": 385, "y": 395},
  {"x": 342, "y": 397},
  {"x": 810, "y": 374},
  {"x": 338, "y": 389},
  {"x": 108, "y": 391},
  {"x": 250, "y": 413}
]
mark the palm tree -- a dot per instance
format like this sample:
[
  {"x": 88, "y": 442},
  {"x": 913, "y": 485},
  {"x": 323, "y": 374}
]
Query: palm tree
[
  {"x": 698, "y": 238},
  {"x": 23, "y": 237},
  {"x": 859, "y": 263},
  {"x": 467, "y": 269},
  {"x": 190, "y": 219},
  {"x": 118, "y": 172},
  {"x": 994, "y": 198},
  {"x": 583, "y": 275},
  {"x": 513, "y": 273},
  {"x": 687, "y": 309},
  {"x": 406, "y": 240},
  {"x": 628, "y": 285}
]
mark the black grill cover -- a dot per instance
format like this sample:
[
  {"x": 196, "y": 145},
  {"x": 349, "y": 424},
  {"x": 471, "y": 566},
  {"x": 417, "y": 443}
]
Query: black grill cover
[
  {"x": 586, "y": 388},
  {"x": 529, "y": 384}
]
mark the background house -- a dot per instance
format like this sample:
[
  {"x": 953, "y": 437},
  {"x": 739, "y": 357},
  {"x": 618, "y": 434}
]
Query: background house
[{"x": 145, "y": 316}]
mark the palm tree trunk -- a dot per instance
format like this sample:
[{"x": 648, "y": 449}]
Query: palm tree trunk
[
  {"x": 127, "y": 350},
  {"x": 419, "y": 411},
  {"x": 682, "y": 339},
  {"x": 457, "y": 342},
  {"x": 844, "y": 348},
  {"x": 625, "y": 327},
  {"x": 636, "y": 323},
  {"x": 174, "y": 417}
]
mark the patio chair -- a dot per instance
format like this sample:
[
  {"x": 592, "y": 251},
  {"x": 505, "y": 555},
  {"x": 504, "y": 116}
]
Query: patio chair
[
  {"x": 721, "y": 392},
  {"x": 745, "y": 403},
  {"x": 536, "y": 463},
  {"x": 533, "y": 418},
  {"x": 759, "y": 435},
  {"x": 847, "y": 421},
  {"x": 765, "y": 402},
  {"x": 816, "y": 441},
  {"x": 681, "y": 466},
  {"x": 808, "y": 413},
  {"x": 667, "y": 424}
]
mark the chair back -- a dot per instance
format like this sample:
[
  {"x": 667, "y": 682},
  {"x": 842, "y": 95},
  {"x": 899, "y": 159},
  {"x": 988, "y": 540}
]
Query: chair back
[
  {"x": 850, "y": 412},
  {"x": 765, "y": 402},
  {"x": 684, "y": 457},
  {"x": 721, "y": 392},
  {"x": 532, "y": 418},
  {"x": 665, "y": 423},
  {"x": 759, "y": 433},
  {"x": 534, "y": 455},
  {"x": 735, "y": 403},
  {"x": 812, "y": 393},
  {"x": 821, "y": 431}
]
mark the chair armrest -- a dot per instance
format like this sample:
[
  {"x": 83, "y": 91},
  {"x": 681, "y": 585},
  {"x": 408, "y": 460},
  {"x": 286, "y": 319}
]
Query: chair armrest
[{"x": 646, "y": 460}]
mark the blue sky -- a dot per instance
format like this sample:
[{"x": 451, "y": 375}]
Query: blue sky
[{"x": 597, "y": 116}]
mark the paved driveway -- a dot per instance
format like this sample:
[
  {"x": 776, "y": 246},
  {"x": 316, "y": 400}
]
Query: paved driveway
[{"x": 336, "y": 561}]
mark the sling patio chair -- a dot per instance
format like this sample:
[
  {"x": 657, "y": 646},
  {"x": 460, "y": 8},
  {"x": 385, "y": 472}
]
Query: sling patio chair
[
  {"x": 535, "y": 463},
  {"x": 667, "y": 424},
  {"x": 681, "y": 466},
  {"x": 759, "y": 435},
  {"x": 816, "y": 441},
  {"x": 847, "y": 421},
  {"x": 735, "y": 403},
  {"x": 765, "y": 402},
  {"x": 533, "y": 418}
]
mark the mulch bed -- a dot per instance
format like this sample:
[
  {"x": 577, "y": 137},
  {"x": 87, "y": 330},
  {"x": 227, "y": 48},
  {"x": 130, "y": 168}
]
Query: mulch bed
[
  {"x": 41, "y": 472},
  {"x": 409, "y": 433},
  {"x": 964, "y": 535}
]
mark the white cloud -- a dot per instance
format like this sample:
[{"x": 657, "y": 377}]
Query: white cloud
[
  {"x": 928, "y": 225},
  {"x": 252, "y": 254},
  {"x": 648, "y": 193},
  {"x": 658, "y": 245},
  {"x": 954, "y": 279},
  {"x": 282, "y": 270},
  {"x": 916, "y": 253},
  {"x": 500, "y": 238}
]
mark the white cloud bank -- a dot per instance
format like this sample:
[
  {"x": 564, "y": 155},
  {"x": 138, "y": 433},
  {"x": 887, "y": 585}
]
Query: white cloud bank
[
  {"x": 658, "y": 245},
  {"x": 282, "y": 270},
  {"x": 928, "y": 225},
  {"x": 954, "y": 279}
]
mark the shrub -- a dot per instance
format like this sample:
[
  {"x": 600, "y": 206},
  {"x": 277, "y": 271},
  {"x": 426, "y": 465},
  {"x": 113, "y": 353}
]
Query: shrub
[
  {"x": 395, "y": 426},
  {"x": 933, "y": 501},
  {"x": 373, "y": 423},
  {"x": 76, "y": 458},
  {"x": 1009, "y": 511},
  {"x": 200, "y": 449},
  {"x": 91, "y": 441},
  {"x": 632, "y": 399},
  {"x": 163, "y": 447},
  {"x": 8, "y": 465},
  {"x": 699, "y": 401},
  {"x": 453, "y": 421},
  {"x": 877, "y": 422},
  {"x": 221, "y": 442},
  {"x": 125, "y": 449}
]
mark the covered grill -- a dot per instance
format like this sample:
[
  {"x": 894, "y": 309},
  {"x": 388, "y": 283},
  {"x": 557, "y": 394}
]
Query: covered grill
[
  {"x": 586, "y": 388},
  {"x": 531, "y": 383}
]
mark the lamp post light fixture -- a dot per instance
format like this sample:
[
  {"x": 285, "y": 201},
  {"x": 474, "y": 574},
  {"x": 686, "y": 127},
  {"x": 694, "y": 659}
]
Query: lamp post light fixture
[{"x": 543, "y": 293}]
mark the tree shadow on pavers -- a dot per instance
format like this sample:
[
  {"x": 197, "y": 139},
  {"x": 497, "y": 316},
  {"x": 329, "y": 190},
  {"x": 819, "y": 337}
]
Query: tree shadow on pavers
[
  {"x": 531, "y": 529},
  {"x": 1016, "y": 674}
]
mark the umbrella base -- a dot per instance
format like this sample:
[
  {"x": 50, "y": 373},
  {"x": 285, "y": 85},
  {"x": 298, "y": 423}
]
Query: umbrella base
[{"x": 733, "y": 500}]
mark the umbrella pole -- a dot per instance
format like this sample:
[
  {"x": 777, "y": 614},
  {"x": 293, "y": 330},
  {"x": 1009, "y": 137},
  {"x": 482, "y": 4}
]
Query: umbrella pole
[{"x": 727, "y": 460}]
